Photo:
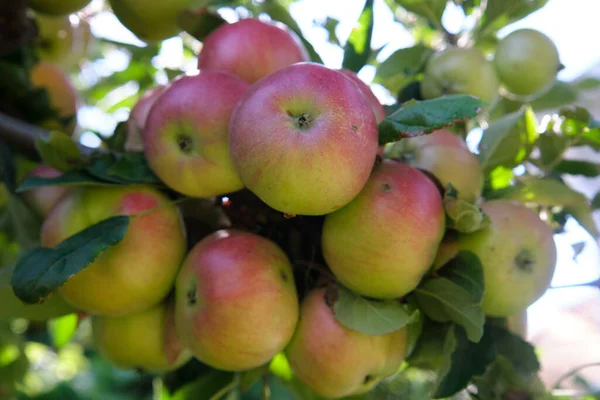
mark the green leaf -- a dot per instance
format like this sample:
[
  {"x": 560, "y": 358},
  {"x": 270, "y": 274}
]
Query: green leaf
[
  {"x": 578, "y": 167},
  {"x": 587, "y": 83},
  {"x": 372, "y": 317},
  {"x": 330, "y": 26},
  {"x": 468, "y": 360},
  {"x": 500, "y": 177},
  {"x": 129, "y": 168},
  {"x": 432, "y": 10},
  {"x": 422, "y": 117},
  {"x": 560, "y": 94},
  {"x": 578, "y": 124},
  {"x": 596, "y": 202},
  {"x": 508, "y": 140},
  {"x": 203, "y": 388},
  {"x": 43, "y": 270},
  {"x": 59, "y": 151},
  {"x": 8, "y": 171},
  {"x": 463, "y": 216},
  {"x": 63, "y": 329},
  {"x": 20, "y": 223},
  {"x": 456, "y": 295},
  {"x": 434, "y": 348},
  {"x": 250, "y": 377},
  {"x": 401, "y": 67},
  {"x": 552, "y": 147},
  {"x": 69, "y": 178},
  {"x": 518, "y": 351},
  {"x": 358, "y": 46},
  {"x": 500, "y": 13},
  {"x": 199, "y": 22}
]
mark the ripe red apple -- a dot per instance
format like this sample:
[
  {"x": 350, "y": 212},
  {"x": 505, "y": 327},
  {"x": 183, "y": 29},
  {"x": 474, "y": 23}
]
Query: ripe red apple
[
  {"x": 304, "y": 140},
  {"x": 236, "y": 303},
  {"x": 140, "y": 340},
  {"x": 383, "y": 242},
  {"x": 518, "y": 256},
  {"x": 139, "y": 271},
  {"x": 336, "y": 361},
  {"x": 57, "y": 7},
  {"x": 138, "y": 116},
  {"x": 372, "y": 100},
  {"x": 185, "y": 136},
  {"x": 42, "y": 199},
  {"x": 251, "y": 49}
]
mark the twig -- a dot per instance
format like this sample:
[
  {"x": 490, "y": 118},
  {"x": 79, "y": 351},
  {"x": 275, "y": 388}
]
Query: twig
[
  {"x": 573, "y": 372},
  {"x": 225, "y": 390},
  {"x": 595, "y": 283}
]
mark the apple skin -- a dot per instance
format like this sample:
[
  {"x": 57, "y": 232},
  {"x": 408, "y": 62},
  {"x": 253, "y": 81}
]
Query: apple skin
[
  {"x": 140, "y": 340},
  {"x": 138, "y": 116},
  {"x": 150, "y": 20},
  {"x": 459, "y": 71},
  {"x": 304, "y": 140},
  {"x": 63, "y": 96},
  {"x": 518, "y": 255},
  {"x": 152, "y": 249},
  {"x": 185, "y": 136},
  {"x": 383, "y": 242},
  {"x": 57, "y": 7},
  {"x": 251, "y": 49},
  {"x": 372, "y": 100},
  {"x": 336, "y": 361},
  {"x": 527, "y": 62},
  {"x": 236, "y": 304},
  {"x": 42, "y": 199}
]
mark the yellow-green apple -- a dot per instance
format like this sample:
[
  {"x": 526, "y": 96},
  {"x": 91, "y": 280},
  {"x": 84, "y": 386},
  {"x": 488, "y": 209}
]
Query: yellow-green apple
[
  {"x": 372, "y": 100},
  {"x": 382, "y": 243},
  {"x": 138, "y": 116},
  {"x": 150, "y": 20},
  {"x": 527, "y": 62},
  {"x": 518, "y": 256},
  {"x": 251, "y": 49},
  {"x": 144, "y": 340},
  {"x": 55, "y": 37},
  {"x": 336, "y": 361},
  {"x": 63, "y": 96},
  {"x": 236, "y": 304},
  {"x": 459, "y": 70},
  {"x": 446, "y": 156},
  {"x": 304, "y": 140},
  {"x": 447, "y": 251},
  {"x": 185, "y": 135},
  {"x": 42, "y": 199},
  {"x": 139, "y": 271},
  {"x": 57, "y": 7}
]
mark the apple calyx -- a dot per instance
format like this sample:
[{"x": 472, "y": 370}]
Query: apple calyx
[{"x": 524, "y": 261}]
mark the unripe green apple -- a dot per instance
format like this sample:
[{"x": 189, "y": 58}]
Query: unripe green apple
[
  {"x": 185, "y": 135},
  {"x": 382, "y": 243},
  {"x": 336, "y": 361},
  {"x": 57, "y": 7},
  {"x": 42, "y": 199},
  {"x": 304, "y": 140},
  {"x": 527, "y": 62},
  {"x": 459, "y": 71},
  {"x": 370, "y": 97},
  {"x": 138, "y": 116},
  {"x": 236, "y": 302},
  {"x": 518, "y": 256},
  {"x": 150, "y": 20},
  {"x": 143, "y": 340},
  {"x": 251, "y": 49},
  {"x": 139, "y": 271},
  {"x": 446, "y": 156}
]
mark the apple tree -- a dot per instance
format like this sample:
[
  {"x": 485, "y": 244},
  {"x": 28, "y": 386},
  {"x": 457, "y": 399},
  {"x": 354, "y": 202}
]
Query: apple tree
[{"x": 239, "y": 219}]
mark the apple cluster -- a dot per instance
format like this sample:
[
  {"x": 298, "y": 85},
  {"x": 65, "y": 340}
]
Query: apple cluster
[{"x": 303, "y": 138}]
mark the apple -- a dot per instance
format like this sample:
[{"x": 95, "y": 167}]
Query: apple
[
  {"x": 138, "y": 272},
  {"x": 336, "y": 361},
  {"x": 459, "y": 71},
  {"x": 140, "y": 340},
  {"x": 527, "y": 62},
  {"x": 63, "y": 96},
  {"x": 55, "y": 37},
  {"x": 446, "y": 156},
  {"x": 447, "y": 251},
  {"x": 150, "y": 20},
  {"x": 251, "y": 49},
  {"x": 304, "y": 140},
  {"x": 236, "y": 304},
  {"x": 185, "y": 136},
  {"x": 42, "y": 199},
  {"x": 372, "y": 100},
  {"x": 57, "y": 7},
  {"x": 382, "y": 243},
  {"x": 138, "y": 116},
  {"x": 518, "y": 255}
]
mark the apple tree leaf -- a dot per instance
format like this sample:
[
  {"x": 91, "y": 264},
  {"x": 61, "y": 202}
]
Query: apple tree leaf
[
  {"x": 400, "y": 68},
  {"x": 551, "y": 146},
  {"x": 69, "y": 178},
  {"x": 518, "y": 351},
  {"x": 456, "y": 294},
  {"x": 8, "y": 171},
  {"x": 199, "y": 22},
  {"x": 20, "y": 222},
  {"x": 62, "y": 329},
  {"x": 596, "y": 202},
  {"x": 500, "y": 13},
  {"x": 432, "y": 10},
  {"x": 373, "y": 317},
  {"x": 417, "y": 118},
  {"x": 578, "y": 167},
  {"x": 205, "y": 386},
  {"x": 358, "y": 47},
  {"x": 463, "y": 216},
  {"x": 43, "y": 270},
  {"x": 560, "y": 94},
  {"x": 250, "y": 377},
  {"x": 59, "y": 151}
]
